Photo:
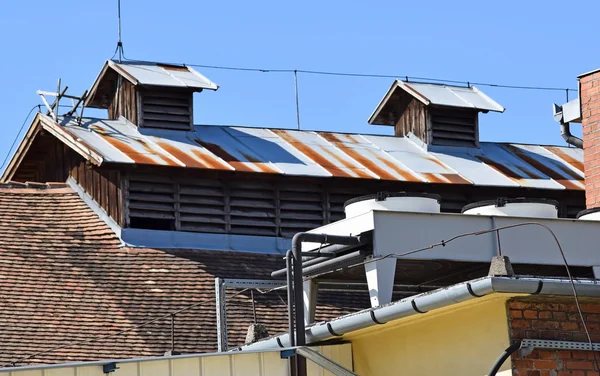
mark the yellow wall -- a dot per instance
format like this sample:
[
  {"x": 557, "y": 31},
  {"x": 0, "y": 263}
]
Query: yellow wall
[
  {"x": 462, "y": 340},
  {"x": 222, "y": 364}
]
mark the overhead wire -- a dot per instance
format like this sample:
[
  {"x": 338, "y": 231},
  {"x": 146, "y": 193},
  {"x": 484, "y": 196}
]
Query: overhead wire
[
  {"x": 366, "y": 75},
  {"x": 443, "y": 243},
  {"x": 18, "y": 134}
]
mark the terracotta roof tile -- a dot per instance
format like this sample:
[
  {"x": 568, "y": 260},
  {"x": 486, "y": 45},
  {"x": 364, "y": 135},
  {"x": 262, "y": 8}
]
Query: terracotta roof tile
[{"x": 64, "y": 277}]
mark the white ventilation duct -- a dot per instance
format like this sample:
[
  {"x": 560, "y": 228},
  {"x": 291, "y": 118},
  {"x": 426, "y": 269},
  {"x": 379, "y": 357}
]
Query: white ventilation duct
[
  {"x": 589, "y": 214},
  {"x": 514, "y": 207},
  {"x": 393, "y": 201}
]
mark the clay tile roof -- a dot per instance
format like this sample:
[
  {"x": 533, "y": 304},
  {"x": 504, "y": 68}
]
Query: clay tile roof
[{"x": 64, "y": 277}]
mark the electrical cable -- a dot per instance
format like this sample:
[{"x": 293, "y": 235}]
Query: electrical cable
[
  {"x": 365, "y": 75},
  {"x": 18, "y": 134},
  {"x": 482, "y": 232},
  {"x": 115, "y": 334}
]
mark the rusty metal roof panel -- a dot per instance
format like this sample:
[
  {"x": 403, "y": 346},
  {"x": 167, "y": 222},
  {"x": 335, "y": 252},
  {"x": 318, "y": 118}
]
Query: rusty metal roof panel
[
  {"x": 571, "y": 156},
  {"x": 550, "y": 164},
  {"x": 156, "y": 74},
  {"x": 472, "y": 168},
  {"x": 325, "y": 154},
  {"x": 220, "y": 143},
  {"x": 272, "y": 148},
  {"x": 125, "y": 138},
  {"x": 511, "y": 165},
  {"x": 420, "y": 162},
  {"x": 85, "y": 135},
  {"x": 371, "y": 157}
]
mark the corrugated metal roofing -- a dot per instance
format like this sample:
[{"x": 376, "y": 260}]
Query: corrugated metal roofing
[
  {"x": 454, "y": 96},
  {"x": 156, "y": 74},
  {"x": 323, "y": 154}
]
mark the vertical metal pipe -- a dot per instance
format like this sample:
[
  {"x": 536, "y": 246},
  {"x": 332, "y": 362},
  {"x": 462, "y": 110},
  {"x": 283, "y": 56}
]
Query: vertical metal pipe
[
  {"x": 119, "y": 43},
  {"x": 299, "y": 301},
  {"x": 290, "y": 296},
  {"x": 290, "y": 301},
  {"x": 172, "y": 333},
  {"x": 297, "y": 104}
]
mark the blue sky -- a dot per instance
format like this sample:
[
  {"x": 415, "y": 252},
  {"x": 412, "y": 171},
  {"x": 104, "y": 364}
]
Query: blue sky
[{"x": 545, "y": 43}]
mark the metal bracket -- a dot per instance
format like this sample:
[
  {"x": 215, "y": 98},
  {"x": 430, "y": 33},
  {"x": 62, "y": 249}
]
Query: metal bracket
[
  {"x": 326, "y": 363},
  {"x": 528, "y": 345},
  {"x": 221, "y": 301}
]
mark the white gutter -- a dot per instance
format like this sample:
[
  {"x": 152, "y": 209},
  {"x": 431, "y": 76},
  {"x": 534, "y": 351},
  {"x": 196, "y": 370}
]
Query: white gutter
[{"x": 422, "y": 303}]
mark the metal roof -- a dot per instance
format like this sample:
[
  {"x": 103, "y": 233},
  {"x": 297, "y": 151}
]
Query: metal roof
[
  {"x": 433, "y": 94},
  {"x": 322, "y": 154},
  {"x": 157, "y": 74},
  {"x": 149, "y": 74}
]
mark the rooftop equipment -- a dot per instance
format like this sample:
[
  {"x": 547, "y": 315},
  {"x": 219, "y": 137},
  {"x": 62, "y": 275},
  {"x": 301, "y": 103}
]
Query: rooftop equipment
[
  {"x": 589, "y": 214},
  {"x": 514, "y": 207},
  {"x": 393, "y": 201}
]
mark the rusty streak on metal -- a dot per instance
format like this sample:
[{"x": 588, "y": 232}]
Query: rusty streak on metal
[
  {"x": 563, "y": 175},
  {"x": 405, "y": 174},
  {"x": 165, "y": 158},
  {"x": 501, "y": 168},
  {"x": 455, "y": 178},
  {"x": 263, "y": 166},
  {"x": 173, "y": 67},
  {"x": 352, "y": 167},
  {"x": 317, "y": 158},
  {"x": 182, "y": 156},
  {"x": 210, "y": 162},
  {"x": 224, "y": 155},
  {"x": 566, "y": 157},
  {"x": 363, "y": 160},
  {"x": 136, "y": 156}
]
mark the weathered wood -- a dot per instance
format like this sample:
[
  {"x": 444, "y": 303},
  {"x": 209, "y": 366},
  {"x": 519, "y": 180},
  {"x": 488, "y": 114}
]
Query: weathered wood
[
  {"x": 413, "y": 120},
  {"x": 124, "y": 200}
]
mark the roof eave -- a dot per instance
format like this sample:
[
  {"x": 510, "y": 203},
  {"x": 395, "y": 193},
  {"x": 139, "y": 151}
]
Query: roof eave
[
  {"x": 397, "y": 84},
  {"x": 22, "y": 149}
]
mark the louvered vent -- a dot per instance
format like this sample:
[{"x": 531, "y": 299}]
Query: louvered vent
[
  {"x": 235, "y": 206},
  {"x": 253, "y": 208},
  {"x": 151, "y": 203},
  {"x": 202, "y": 206},
  {"x": 300, "y": 208},
  {"x": 166, "y": 109},
  {"x": 454, "y": 127}
]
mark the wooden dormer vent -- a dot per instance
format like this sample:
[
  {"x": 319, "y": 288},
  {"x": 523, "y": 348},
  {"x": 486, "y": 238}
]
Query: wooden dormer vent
[
  {"x": 436, "y": 114},
  {"x": 150, "y": 95}
]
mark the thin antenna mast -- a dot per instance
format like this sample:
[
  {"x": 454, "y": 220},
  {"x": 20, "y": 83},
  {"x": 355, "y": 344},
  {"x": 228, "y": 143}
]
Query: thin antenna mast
[{"x": 119, "y": 43}]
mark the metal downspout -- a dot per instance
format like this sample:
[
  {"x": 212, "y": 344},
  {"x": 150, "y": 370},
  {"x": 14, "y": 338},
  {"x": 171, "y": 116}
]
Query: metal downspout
[
  {"x": 565, "y": 132},
  {"x": 295, "y": 271}
]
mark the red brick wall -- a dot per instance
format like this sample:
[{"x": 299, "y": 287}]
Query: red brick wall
[
  {"x": 553, "y": 319},
  {"x": 590, "y": 120}
]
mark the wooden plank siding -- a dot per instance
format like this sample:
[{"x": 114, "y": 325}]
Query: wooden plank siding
[
  {"x": 48, "y": 160},
  {"x": 439, "y": 125},
  {"x": 103, "y": 185},
  {"x": 413, "y": 119},
  {"x": 124, "y": 102}
]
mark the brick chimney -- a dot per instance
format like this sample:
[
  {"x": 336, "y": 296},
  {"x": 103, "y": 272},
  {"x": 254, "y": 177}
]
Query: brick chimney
[{"x": 589, "y": 94}]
